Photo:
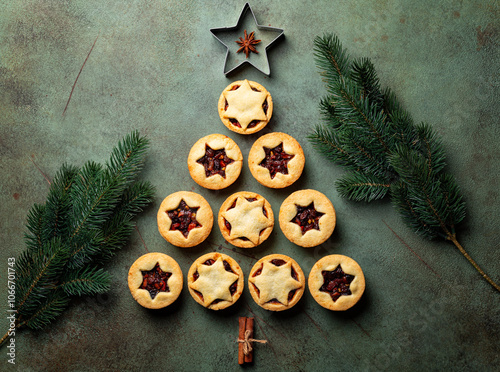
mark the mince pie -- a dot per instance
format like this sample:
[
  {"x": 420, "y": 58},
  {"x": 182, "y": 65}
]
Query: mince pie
[
  {"x": 155, "y": 280},
  {"x": 185, "y": 219},
  {"x": 215, "y": 281},
  {"x": 307, "y": 218},
  {"x": 276, "y": 160},
  {"x": 215, "y": 161},
  {"x": 336, "y": 282},
  {"x": 246, "y": 219},
  {"x": 245, "y": 107},
  {"x": 276, "y": 282}
]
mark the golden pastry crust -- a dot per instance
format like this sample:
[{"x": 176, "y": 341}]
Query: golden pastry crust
[
  {"x": 276, "y": 282},
  {"x": 259, "y": 163},
  {"x": 228, "y": 173},
  {"x": 298, "y": 201},
  {"x": 147, "y": 262},
  {"x": 210, "y": 282},
  {"x": 348, "y": 266},
  {"x": 246, "y": 219},
  {"x": 245, "y": 107},
  {"x": 202, "y": 224}
]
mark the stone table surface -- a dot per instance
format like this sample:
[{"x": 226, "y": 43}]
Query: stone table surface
[{"x": 76, "y": 76}]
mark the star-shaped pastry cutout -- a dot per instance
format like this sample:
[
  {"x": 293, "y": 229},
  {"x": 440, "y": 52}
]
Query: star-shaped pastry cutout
[
  {"x": 214, "y": 282},
  {"x": 215, "y": 161},
  {"x": 307, "y": 218},
  {"x": 275, "y": 282},
  {"x": 336, "y": 283},
  {"x": 245, "y": 104},
  {"x": 227, "y": 35},
  {"x": 155, "y": 281},
  {"x": 247, "y": 219},
  {"x": 183, "y": 218},
  {"x": 276, "y": 160}
]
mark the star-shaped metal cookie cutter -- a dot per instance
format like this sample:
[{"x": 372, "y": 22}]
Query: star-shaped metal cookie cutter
[{"x": 219, "y": 32}]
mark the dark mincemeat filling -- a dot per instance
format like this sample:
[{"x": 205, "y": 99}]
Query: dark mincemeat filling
[
  {"x": 155, "y": 281},
  {"x": 183, "y": 218},
  {"x": 307, "y": 218},
  {"x": 276, "y": 160},
  {"x": 336, "y": 283},
  {"x": 215, "y": 161}
]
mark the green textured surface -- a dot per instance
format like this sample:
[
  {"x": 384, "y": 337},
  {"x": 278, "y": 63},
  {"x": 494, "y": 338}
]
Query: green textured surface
[{"x": 156, "y": 67}]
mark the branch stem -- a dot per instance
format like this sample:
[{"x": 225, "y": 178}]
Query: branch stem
[
  {"x": 6, "y": 335},
  {"x": 453, "y": 239}
]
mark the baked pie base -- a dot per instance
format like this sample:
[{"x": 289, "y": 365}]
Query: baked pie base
[
  {"x": 293, "y": 231},
  {"x": 207, "y": 283},
  {"x": 245, "y": 219},
  {"x": 146, "y": 263},
  {"x": 330, "y": 263},
  {"x": 231, "y": 171},
  {"x": 293, "y": 166},
  {"x": 204, "y": 217},
  {"x": 276, "y": 282},
  {"x": 243, "y": 100}
]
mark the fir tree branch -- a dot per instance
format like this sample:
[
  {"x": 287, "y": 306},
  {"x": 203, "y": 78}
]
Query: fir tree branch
[
  {"x": 52, "y": 306},
  {"x": 57, "y": 204},
  {"x": 43, "y": 271},
  {"x": 368, "y": 132},
  {"x": 362, "y": 187},
  {"x": 88, "y": 215},
  {"x": 86, "y": 281}
]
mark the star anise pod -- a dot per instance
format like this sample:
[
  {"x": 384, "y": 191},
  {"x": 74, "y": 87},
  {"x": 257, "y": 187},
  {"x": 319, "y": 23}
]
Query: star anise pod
[{"x": 247, "y": 44}]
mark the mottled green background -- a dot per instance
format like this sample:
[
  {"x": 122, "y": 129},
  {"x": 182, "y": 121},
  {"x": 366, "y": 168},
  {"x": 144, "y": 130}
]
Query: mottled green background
[{"x": 155, "y": 67}]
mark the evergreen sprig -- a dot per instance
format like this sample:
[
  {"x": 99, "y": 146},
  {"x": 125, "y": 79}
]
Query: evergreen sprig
[
  {"x": 87, "y": 216},
  {"x": 367, "y": 131}
]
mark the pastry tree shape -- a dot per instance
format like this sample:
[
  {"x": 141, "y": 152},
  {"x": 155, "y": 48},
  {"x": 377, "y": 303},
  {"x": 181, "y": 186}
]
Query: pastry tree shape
[{"x": 214, "y": 282}]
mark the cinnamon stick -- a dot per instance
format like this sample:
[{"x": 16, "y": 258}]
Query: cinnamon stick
[
  {"x": 241, "y": 336},
  {"x": 249, "y": 334}
]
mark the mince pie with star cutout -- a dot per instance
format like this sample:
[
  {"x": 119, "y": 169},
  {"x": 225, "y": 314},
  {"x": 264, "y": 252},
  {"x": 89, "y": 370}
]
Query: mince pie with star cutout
[
  {"x": 185, "y": 219},
  {"x": 336, "y": 282},
  {"x": 215, "y": 281},
  {"x": 307, "y": 218},
  {"x": 246, "y": 219},
  {"x": 245, "y": 107},
  {"x": 276, "y": 160},
  {"x": 215, "y": 161},
  {"x": 155, "y": 280},
  {"x": 276, "y": 282}
]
